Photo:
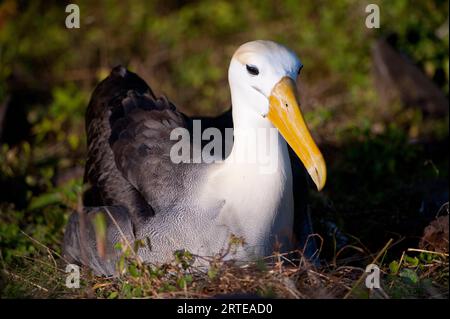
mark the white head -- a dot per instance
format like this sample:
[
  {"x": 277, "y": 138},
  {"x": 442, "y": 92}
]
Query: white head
[
  {"x": 262, "y": 77},
  {"x": 257, "y": 66}
]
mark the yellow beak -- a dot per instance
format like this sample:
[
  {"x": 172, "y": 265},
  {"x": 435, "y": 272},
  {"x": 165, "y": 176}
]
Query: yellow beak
[{"x": 285, "y": 115}]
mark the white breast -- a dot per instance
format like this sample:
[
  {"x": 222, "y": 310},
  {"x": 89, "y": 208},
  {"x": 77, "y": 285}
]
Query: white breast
[
  {"x": 258, "y": 206},
  {"x": 234, "y": 198}
]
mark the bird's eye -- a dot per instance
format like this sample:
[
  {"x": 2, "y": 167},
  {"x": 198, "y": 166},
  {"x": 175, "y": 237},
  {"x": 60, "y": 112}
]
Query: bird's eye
[
  {"x": 300, "y": 69},
  {"x": 253, "y": 70}
]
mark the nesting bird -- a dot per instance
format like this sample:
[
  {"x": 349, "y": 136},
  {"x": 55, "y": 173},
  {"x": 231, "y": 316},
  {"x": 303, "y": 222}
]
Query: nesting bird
[{"x": 196, "y": 206}]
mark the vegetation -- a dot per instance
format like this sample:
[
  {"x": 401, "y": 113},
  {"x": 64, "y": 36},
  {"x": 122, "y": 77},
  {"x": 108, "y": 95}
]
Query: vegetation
[{"x": 388, "y": 162}]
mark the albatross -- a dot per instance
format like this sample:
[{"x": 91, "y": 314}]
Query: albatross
[{"x": 195, "y": 206}]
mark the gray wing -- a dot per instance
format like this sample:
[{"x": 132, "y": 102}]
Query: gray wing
[
  {"x": 107, "y": 186},
  {"x": 141, "y": 145},
  {"x": 128, "y": 168}
]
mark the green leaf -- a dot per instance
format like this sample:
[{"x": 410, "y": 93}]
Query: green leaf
[
  {"x": 181, "y": 282},
  {"x": 410, "y": 275},
  {"x": 113, "y": 295},
  {"x": 138, "y": 244},
  {"x": 118, "y": 246},
  {"x": 134, "y": 272},
  {"x": 137, "y": 292},
  {"x": 426, "y": 257},
  {"x": 212, "y": 272},
  {"x": 413, "y": 261},
  {"x": 394, "y": 267},
  {"x": 44, "y": 200},
  {"x": 127, "y": 290}
]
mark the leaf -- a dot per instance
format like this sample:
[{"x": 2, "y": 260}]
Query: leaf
[
  {"x": 118, "y": 246},
  {"x": 137, "y": 292},
  {"x": 113, "y": 295},
  {"x": 134, "y": 272},
  {"x": 426, "y": 257},
  {"x": 412, "y": 261},
  {"x": 45, "y": 200},
  {"x": 181, "y": 282},
  {"x": 394, "y": 267},
  {"x": 212, "y": 272},
  {"x": 127, "y": 290},
  {"x": 138, "y": 244},
  {"x": 74, "y": 141},
  {"x": 410, "y": 275}
]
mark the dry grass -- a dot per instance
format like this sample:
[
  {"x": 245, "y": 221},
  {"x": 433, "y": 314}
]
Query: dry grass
[{"x": 278, "y": 276}]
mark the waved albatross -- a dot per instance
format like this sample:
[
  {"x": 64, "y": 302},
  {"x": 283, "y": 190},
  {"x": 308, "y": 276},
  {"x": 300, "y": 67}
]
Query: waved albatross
[{"x": 191, "y": 205}]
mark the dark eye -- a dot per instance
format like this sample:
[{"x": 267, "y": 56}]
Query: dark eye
[
  {"x": 253, "y": 70},
  {"x": 300, "y": 69}
]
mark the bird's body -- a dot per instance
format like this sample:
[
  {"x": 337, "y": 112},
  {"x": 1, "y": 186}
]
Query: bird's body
[{"x": 193, "y": 205}]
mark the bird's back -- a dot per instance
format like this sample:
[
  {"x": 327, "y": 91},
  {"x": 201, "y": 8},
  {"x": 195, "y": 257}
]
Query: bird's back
[{"x": 107, "y": 186}]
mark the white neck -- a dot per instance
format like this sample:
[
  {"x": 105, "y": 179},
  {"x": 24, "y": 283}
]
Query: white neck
[
  {"x": 258, "y": 195},
  {"x": 248, "y": 105}
]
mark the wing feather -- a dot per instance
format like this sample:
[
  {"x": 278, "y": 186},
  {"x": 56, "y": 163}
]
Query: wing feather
[{"x": 141, "y": 145}]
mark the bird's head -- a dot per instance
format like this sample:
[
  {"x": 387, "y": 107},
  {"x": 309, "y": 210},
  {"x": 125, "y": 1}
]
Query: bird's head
[{"x": 265, "y": 73}]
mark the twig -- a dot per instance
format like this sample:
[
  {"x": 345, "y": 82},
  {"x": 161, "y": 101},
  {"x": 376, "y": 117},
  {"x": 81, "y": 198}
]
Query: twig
[
  {"x": 41, "y": 262},
  {"x": 123, "y": 236},
  {"x": 428, "y": 252},
  {"x": 25, "y": 280},
  {"x": 41, "y": 244},
  {"x": 342, "y": 249},
  {"x": 358, "y": 282}
]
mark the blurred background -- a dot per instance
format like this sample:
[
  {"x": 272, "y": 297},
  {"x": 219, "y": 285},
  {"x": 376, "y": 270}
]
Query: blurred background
[{"x": 376, "y": 101}]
